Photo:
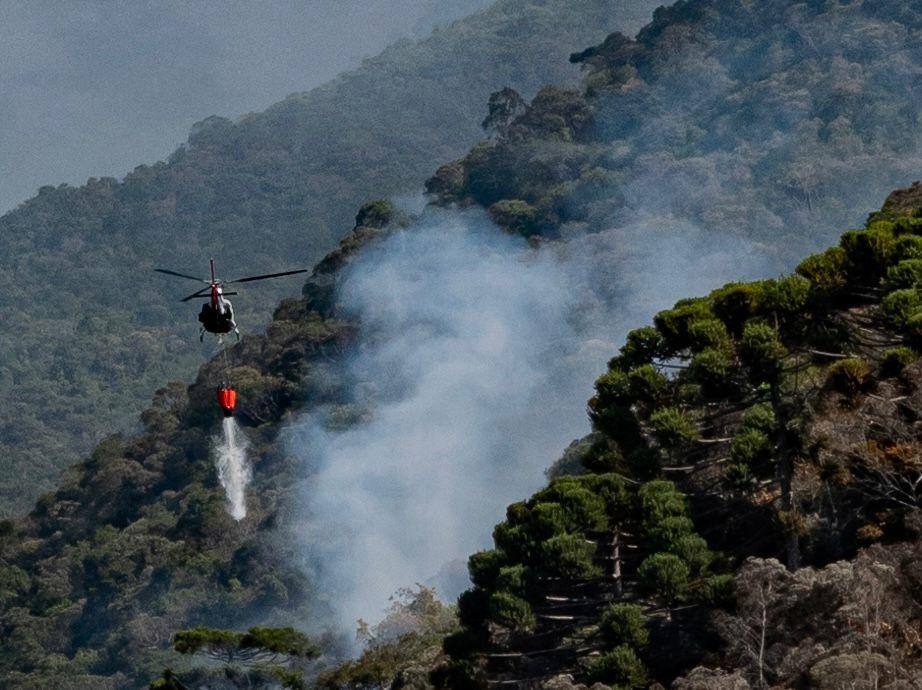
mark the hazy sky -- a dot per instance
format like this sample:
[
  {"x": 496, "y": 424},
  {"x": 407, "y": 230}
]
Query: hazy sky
[{"x": 93, "y": 88}]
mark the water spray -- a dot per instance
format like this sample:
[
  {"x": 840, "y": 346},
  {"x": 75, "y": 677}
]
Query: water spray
[{"x": 234, "y": 470}]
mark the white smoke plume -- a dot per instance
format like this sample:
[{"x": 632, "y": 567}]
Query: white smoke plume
[
  {"x": 477, "y": 356},
  {"x": 234, "y": 471}
]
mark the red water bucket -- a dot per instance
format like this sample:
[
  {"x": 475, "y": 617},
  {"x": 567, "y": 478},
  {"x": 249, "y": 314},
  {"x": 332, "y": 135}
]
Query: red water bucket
[{"x": 227, "y": 399}]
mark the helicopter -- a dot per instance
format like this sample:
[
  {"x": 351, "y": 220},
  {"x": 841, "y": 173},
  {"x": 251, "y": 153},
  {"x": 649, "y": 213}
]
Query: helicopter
[{"x": 217, "y": 314}]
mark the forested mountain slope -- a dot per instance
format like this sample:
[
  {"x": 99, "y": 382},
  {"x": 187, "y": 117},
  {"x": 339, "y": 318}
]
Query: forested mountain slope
[
  {"x": 136, "y": 542},
  {"x": 768, "y": 421},
  {"x": 777, "y": 121},
  {"x": 89, "y": 331}
]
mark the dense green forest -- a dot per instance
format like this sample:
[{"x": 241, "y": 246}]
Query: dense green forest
[
  {"x": 767, "y": 424},
  {"x": 90, "y": 331}
]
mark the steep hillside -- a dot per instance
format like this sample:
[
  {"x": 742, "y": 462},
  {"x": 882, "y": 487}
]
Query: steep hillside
[
  {"x": 773, "y": 420},
  {"x": 89, "y": 331},
  {"x": 137, "y": 544}
]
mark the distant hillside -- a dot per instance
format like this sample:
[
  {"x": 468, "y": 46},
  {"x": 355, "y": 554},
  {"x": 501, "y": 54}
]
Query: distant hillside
[
  {"x": 779, "y": 122},
  {"x": 89, "y": 331}
]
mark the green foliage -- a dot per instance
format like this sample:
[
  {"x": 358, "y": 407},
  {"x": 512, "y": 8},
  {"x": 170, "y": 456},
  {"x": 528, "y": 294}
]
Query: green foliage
[
  {"x": 641, "y": 346},
  {"x": 376, "y": 214},
  {"x": 717, "y": 590},
  {"x": 709, "y": 333},
  {"x": 201, "y": 638},
  {"x": 621, "y": 668},
  {"x": 907, "y": 247},
  {"x": 666, "y": 534},
  {"x": 612, "y": 389},
  {"x": 900, "y": 306},
  {"x": 660, "y": 499},
  {"x": 905, "y": 274},
  {"x": 516, "y": 216},
  {"x": 484, "y": 567},
  {"x": 896, "y": 359},
  {"x": 785, "y": 298},
  {"x": 694, "y": 550},
  {"x": 712, "y": 369},
  {"x": 287, "y": 641},
  {"x": 760, "y": 417},
  {"x": 761, "y": 351},
  {"x": 673, "y": 427},
  {"x": 868, "y": 252},
  {"x": 826, "y": 273},
  {"x": 511, "y": 611},
  {"x": 848, "y": 376},
  {"x": 752, "y": 448},
  {"x": 646, "y": 384},
  {"x": 473, "y": 608},
  {"x": 736, "y": 303},
  {"x": 569, "y": 555},
  {"x": 514, "y": 579},
  {"x": 624, "y": 624},
  {"x": 674, "y": 325},
  {"x": 665, "y": 576}
]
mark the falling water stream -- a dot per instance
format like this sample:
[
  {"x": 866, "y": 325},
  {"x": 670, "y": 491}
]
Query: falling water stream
[{"x": 234, "y": 470}]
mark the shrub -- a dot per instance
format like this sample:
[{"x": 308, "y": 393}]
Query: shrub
[
  {"x": 517, "y": 216},
  {"x": 895, "y": 359},
  {"x": 717, "y": 590},
  {"x": 868, "y": 252},
  {"x": 761, "y": 351},
  {"x": 693, "y": 549},
  {"x": 900, "y": 305},
  {"x": 708, "y": 333},
  {"x": 510, "y": 611},
  {"x": 848, "y": 376},
  {"x": 760, "y": 417},
  {"x": 583, "y": 508},
  {"x": 826, "y": 273},
  {"x": 905, "y": 274},
  {"x": 569, "y": 555},
  {"x": 673, "y": 324},
  {"x": 736, "y": 303},
  {"x": 484, "y": 567},
  {"x": 647, "y": 384},
  {"x": 376, "y": 214},
  {"x": 600, "y": 463},
  {"x": 665, "y": 576},
  {"x": 612, "y": 388},
  {"x": 673, "y": 428},
  {"x": 659, "y": 500},
  {"x": 665, "y": 534},
  {"x": 711, "y": 369},
  {"x": 548, "y": 519},
  {"x": 473, "y": 607},
  {"x": 624, "y": 624},
  {"x": 513, "y": 578},
  {"x": 612, "y": 490},
  {"x": 786, "y": 297},
  {"x": 641, "y": 346},
  {"x": 752, "y": 448},
  {"x": 907, "y": 247},
  {"x": 513, "y": 540},
  {"x": 620, "y": 668}
]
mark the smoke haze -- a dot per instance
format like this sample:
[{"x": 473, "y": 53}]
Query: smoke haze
[{"x": 477, "y": 356}]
